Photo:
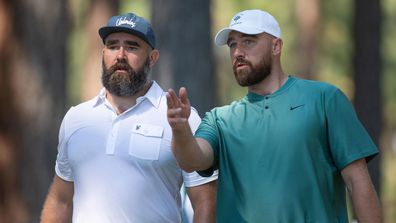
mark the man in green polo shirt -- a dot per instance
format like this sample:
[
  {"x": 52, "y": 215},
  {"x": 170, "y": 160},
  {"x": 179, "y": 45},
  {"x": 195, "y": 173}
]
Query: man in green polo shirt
[{"x": 287, "y": 150}]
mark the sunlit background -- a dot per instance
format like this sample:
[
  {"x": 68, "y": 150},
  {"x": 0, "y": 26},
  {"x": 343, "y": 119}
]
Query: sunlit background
[{"x": 50, "y": 57}]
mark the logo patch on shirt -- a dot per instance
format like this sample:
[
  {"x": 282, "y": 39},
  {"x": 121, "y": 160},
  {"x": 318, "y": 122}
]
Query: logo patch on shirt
[
  {"x": 148, "y": 129},
  {"x": 294, "y": 107}
]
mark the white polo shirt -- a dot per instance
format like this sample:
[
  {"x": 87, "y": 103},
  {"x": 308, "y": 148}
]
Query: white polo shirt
[{"x": 122, "y": 166}]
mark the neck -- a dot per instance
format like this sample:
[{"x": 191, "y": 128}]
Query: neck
[
  {"x": 273, "y": 82},
  {"x": 123, "y": 103}
]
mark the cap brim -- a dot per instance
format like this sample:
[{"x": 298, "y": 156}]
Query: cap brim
[
  {"x": 107, "y": 30},
  {"x": 221, "y": 37}
]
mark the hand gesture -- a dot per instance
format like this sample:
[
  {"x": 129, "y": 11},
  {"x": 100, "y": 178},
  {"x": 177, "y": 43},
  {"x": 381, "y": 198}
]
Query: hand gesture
[{"x": 179, "y": 108}]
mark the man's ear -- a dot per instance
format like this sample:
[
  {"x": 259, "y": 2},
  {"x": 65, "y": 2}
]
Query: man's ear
[
  {"x": 154, "y": 56},
  {"x": 277, "y": 45}
]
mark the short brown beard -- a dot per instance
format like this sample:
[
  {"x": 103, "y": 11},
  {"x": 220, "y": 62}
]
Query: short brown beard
[
  {"x": 120, "y": 84},
  {"x": 257, "y": 73}
]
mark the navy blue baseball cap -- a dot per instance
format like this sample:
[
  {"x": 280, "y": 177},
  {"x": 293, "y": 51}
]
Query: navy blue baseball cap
[{"x": 129, "y": 23}]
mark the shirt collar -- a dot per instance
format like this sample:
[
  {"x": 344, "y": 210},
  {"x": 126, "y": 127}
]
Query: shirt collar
[
  {"x": 153, "y": 95},
  {"x": 100, "y": 98},
  {"x": 251, "y": 96}
]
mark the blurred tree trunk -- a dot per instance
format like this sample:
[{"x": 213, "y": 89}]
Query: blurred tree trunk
[
  {"x": 185, "y": 44},
  {"x": 367, "y": 74},
  {"x": 11, "y": 205},
  {"x": 308, "y": 21},
  {"x": 33, "y": 37},
  {"x": 99, "y": 11}
]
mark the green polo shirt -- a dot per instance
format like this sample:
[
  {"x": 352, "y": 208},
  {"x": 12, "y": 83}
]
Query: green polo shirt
[{"x": 279, "y": 156}]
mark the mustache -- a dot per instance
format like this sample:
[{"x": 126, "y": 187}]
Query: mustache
[
  {"x": 241, "y": 60},
  {"x": 120, "y": 65}
]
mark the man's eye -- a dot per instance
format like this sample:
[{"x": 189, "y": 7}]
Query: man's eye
[
  {"x": 232, "y": 45},
  {"x": 130, "y": 48},
  {"x": 113, "y": 47},
  {"x": 247, "y": 41}
]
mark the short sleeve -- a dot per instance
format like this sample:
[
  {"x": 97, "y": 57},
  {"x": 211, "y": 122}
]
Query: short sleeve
[
  {"x": 194, "y": 179},
  {"x": 194, "y": 120},
  {"x": 348, "y": 139},
  {"x": 62, "y": 167},
  {"x": 208, "y": 130}
]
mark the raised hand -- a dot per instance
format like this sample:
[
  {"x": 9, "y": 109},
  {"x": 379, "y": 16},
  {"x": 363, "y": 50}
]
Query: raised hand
[{"x": 179, "y": 108}]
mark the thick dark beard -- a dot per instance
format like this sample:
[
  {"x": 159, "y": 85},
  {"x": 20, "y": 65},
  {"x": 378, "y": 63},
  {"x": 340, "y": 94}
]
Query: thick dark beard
[
  {"x": 257, "y": 73},
  {"x": 121, "y": 84}
]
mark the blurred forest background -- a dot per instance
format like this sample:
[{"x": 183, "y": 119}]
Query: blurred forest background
[{"x": 50, "y": 59}]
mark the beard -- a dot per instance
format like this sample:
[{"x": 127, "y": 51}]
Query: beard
[
  {"x": 125, "y": 84},
  {"x": 252, "y": 74}
]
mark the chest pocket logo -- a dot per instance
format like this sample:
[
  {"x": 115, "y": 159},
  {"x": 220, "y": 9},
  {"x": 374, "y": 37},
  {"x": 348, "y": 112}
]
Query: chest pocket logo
[{"x": 145, "y": 141}]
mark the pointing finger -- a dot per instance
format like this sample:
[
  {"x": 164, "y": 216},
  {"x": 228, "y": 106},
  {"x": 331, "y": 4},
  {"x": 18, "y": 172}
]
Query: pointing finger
[
  {"x": 171, "y": 98},
  {"x": 183, "y": 96}
]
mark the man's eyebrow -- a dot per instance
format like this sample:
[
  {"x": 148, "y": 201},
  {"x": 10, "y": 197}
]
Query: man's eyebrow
[
  {"x": 111, "y": 41},
  {"x": 249, "y": 35},
  {"x": 229, "y": 40},
  {"x": 127, "y": 42},
  {"x": 131, "y": 43},
  {"x": 242, "y": 35}
]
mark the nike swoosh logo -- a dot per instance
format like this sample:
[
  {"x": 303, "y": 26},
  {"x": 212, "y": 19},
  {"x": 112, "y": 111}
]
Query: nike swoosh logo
[{"x": 292, "y": 108}]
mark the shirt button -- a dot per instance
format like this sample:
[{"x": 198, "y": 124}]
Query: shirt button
[
  {"x": 267, "y": 97},
  {"x": 266, "y": 107}
]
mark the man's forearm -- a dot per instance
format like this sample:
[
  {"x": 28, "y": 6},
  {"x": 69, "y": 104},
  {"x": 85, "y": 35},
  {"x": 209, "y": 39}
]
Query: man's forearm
[
  {"x": 189, "y": 154},
  {"x": 365, "y": 201},
  {"x": 205, "y": 214},
  {"x": 56, "y": 212},
  {"x": 58, "y": 206},
  {"x": 203, "y": 200},
  {"x": 186, "y": 150},
  {"x": 366, "y": 205}
]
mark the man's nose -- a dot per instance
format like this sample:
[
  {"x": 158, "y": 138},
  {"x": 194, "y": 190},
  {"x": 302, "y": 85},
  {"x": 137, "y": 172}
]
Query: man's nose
[
  {"x": 238, "y": 52},
  {"x": 121, "y": 53}
]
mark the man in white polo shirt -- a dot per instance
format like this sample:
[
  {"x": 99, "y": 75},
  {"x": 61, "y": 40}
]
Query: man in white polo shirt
[{"x": 115, "y": 162}]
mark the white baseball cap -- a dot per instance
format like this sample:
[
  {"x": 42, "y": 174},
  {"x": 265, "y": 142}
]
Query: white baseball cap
[{"x": 250, "y": 22}]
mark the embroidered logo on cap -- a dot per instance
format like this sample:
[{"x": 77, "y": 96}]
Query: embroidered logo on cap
[
  {"x": 236, "y": 19},
  {"x": 125, "y": 21}
]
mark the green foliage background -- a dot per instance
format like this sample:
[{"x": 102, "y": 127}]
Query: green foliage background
[{"x": 334, "y": 62}]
